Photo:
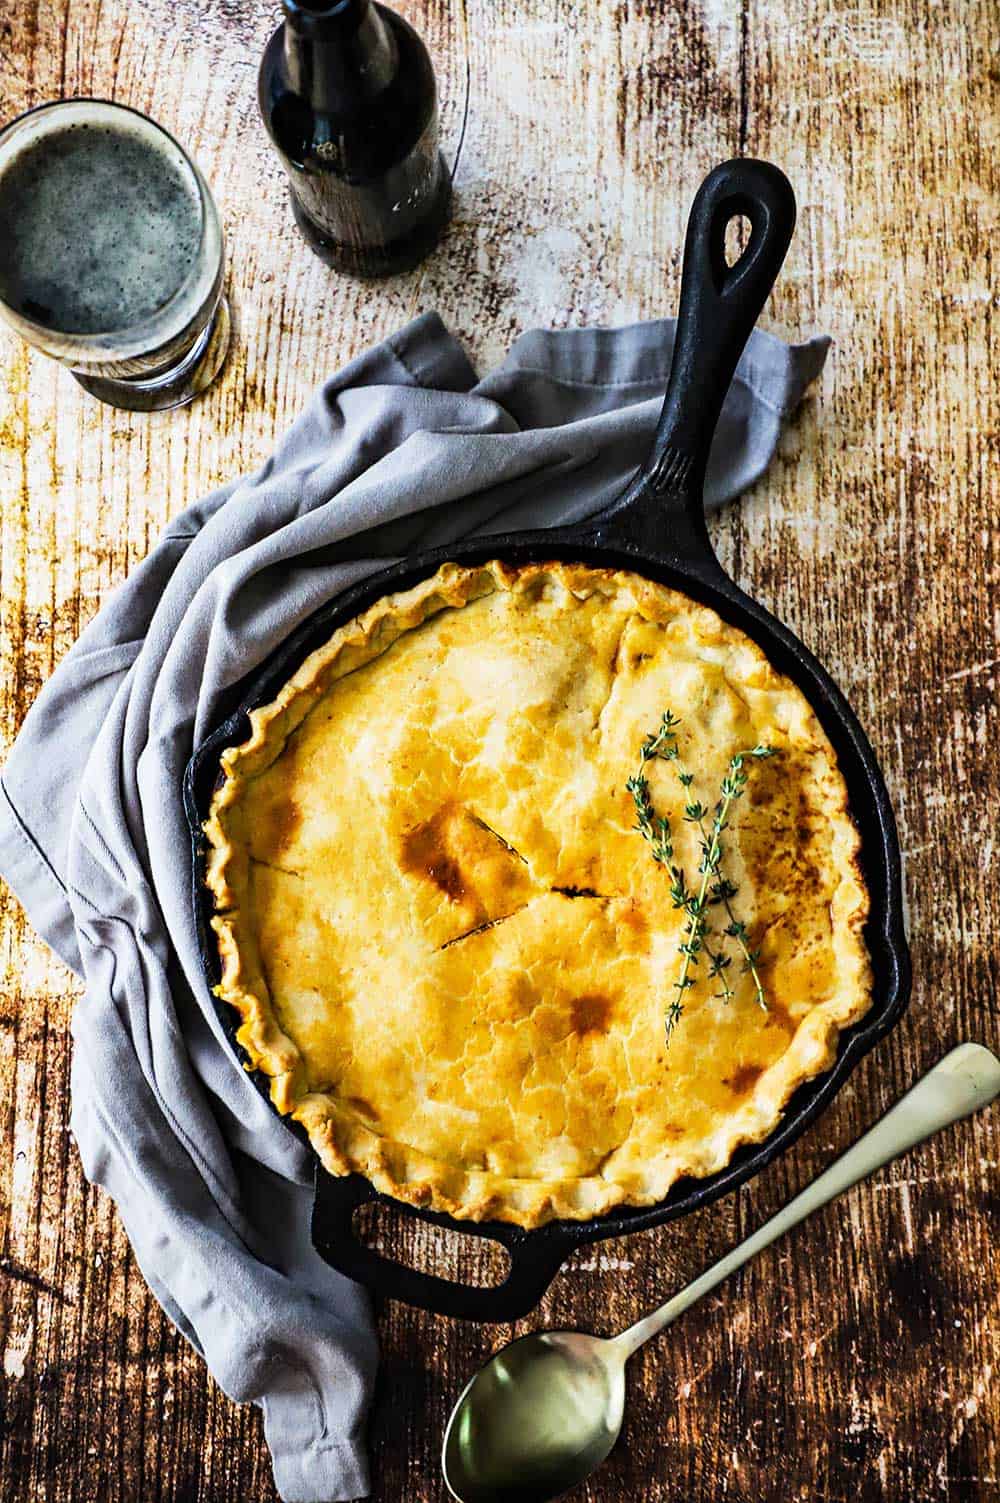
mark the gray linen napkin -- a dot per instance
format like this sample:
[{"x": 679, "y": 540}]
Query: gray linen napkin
[{"x": 402, "y": 450}]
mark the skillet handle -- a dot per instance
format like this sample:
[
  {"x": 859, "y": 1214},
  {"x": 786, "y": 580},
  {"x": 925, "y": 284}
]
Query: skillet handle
[
  {"x": 719, "y": 306},
  {"x": 535, "y": 1257}
]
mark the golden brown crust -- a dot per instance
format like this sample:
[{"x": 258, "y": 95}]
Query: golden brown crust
[{"x": 448, "y": 948}]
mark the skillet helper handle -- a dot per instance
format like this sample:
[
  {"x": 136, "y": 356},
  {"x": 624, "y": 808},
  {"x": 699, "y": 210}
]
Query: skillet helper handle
[
  {"x": 719, "y": 306},
  {"x": 535, "y": 1257}
]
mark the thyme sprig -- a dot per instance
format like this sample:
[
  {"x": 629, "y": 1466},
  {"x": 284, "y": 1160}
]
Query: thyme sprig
[
  {"x": 714, "y": 887},
  {"x": 733, "y": 786},
  {"x": 656, "y": 831},
  {"x": 652, "y": 827},
  {"x": 722, "y": 889}
]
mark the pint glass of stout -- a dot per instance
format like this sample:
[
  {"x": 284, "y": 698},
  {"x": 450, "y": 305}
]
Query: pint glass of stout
[{"x": 111, "y": 253}]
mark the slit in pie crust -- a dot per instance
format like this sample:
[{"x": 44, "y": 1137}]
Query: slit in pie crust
[{"x": 449, "y": 949}]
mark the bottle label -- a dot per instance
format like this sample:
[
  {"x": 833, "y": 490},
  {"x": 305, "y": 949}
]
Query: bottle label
[{"x": 372, "y": 213}]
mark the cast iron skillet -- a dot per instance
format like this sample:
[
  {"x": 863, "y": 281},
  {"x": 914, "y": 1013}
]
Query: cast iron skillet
[{"x": 656, "y": 527}]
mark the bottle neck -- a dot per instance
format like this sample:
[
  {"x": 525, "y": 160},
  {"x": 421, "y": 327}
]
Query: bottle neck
[{"x": 339, "y": 54}]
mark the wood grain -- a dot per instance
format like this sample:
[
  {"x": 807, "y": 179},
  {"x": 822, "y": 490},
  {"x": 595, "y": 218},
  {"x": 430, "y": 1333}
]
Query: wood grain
[{"x": 858, "y": 1360}]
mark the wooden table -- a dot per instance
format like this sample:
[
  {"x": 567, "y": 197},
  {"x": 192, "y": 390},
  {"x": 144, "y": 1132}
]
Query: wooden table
[{"x": 858, "y": 1360}]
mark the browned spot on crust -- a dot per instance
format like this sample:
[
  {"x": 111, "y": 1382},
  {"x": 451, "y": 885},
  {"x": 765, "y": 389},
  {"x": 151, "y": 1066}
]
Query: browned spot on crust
[
  {"x": 280, "y": 826},
  {"x": 743, "y": 1079},
  {"x": 635, "y": 923},
  {"x": 590, "y": 1014},
  {"x": 779, "y": 1015},
  {"x": 425, "y": 854},
  {"x": 362, "y": 1107},
  {"x": 468, "y": 861}
]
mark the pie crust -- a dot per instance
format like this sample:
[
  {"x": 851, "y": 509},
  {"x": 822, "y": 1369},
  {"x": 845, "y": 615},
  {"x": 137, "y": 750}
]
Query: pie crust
[{"x": 451, "y": 952}]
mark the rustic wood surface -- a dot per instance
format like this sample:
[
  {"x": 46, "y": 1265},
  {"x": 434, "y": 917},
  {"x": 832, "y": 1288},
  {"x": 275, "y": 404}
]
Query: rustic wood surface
[{"x": 857, "y": 1360}]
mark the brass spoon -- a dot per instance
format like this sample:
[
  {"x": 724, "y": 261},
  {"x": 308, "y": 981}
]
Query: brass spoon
[{"x": 546, "y": 1410}]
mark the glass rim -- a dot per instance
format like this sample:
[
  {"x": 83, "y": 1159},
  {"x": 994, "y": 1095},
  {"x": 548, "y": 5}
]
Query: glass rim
[{"x": 136, "y": 334}]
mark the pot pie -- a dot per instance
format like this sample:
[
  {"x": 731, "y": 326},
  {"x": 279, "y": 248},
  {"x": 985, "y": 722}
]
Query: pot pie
[{"x": 448, "y": 946}]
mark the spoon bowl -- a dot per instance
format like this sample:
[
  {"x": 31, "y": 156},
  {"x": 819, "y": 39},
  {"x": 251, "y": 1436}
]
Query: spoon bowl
[{"x": 536, "y": 1420}]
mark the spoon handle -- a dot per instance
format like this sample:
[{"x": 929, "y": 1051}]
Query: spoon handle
[{"x": 966, "y": 1079}]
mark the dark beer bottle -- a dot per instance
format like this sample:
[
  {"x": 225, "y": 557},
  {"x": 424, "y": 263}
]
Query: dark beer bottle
[{"x": 348, "y": 96}]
